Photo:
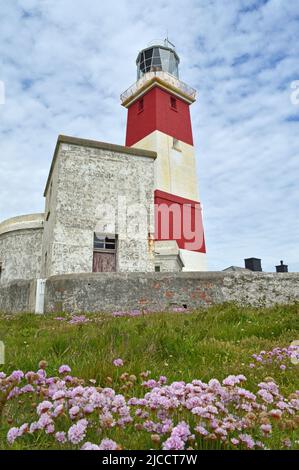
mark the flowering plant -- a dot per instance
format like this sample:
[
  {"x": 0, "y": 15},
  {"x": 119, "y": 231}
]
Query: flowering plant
[{"x": 175, "y": 416}]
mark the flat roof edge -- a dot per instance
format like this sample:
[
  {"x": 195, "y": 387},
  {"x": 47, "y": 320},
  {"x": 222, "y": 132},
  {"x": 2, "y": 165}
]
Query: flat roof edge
[
  {"x": 22, "y": 222},
  {"x": 64, "y": 139}
]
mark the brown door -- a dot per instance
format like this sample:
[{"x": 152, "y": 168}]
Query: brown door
[{"x": 104, "y": 262}]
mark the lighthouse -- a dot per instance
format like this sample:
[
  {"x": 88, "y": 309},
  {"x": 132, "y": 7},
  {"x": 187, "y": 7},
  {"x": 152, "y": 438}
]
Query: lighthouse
[{"x": 159, "y": 120}]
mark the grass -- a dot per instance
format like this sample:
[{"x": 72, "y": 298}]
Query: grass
[{"x": 202, "y": 345}]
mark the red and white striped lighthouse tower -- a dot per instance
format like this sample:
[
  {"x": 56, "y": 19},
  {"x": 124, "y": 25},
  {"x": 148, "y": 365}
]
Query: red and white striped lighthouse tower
[{"x": 159, "y": 119}]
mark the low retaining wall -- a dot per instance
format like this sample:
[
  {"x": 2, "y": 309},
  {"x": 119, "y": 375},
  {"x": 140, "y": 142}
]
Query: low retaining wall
[
  {"x": 17, "y": 296},
  {"x": 108, "y": 292}
]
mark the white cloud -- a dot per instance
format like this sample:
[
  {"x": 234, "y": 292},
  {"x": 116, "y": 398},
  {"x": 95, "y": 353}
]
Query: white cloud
[{"x": 64, "y": 65}]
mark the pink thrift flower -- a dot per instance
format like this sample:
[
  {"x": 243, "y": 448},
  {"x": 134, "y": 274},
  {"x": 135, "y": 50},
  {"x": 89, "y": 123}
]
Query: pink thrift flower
[
  {"x": 266, "y": 428},
  {"x": 235, "y": 441},
  {"x": 275, "y": 413},
  {"x": 182, "y": 430},
  {"x": 151, "y": 383},
  {"x": 77, "y": 432},
  {"x": 58, "y": 411},
  {"x": 12, "y": 435},
  {"x": 23, "y": 429},
  {"x": 266, "y": 396},
  {"x": 201, "y": 430},
  {"x": 118, "y": 362},
  {"x": 50, "y": 429},
  {"x": 58, "y": 395},
  {"x": 65, "y": 369},
  {"x": 174, "y": 443},
  {"x": 60, "y": 437},
  {"x": 162, "y": 380},
  {"x": 88, "y": 409},
  {"x": 108, "y": 444},
  {"x": 44, "y": 407},
  {"x": 17, "y": 375},
  {"x": 90, "y": 446},
  {"x": 27, "y": 389},
  {"x": 247, "y": 440},
  {"x": 74, "y": 411},
  {"x": 287, "y": 443}
]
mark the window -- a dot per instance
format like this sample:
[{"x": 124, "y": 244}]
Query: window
[
  {"x": 176, "y": 145},
  {"x": 1, "y": 271},
  {"x": 140, "y": 105},
  {"x": 173, "y": 103},
  {"x": 102, "y": 243},
  {"x": 157, "y": 269}
]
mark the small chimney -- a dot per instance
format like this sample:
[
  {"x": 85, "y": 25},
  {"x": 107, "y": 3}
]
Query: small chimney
[
  {"x": 253, "y": 264},
  {"x": 282, "y": 268}
]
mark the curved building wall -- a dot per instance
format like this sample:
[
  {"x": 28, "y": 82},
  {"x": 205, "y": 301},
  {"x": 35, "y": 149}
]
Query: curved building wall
[{"x": 20, "y": 248}]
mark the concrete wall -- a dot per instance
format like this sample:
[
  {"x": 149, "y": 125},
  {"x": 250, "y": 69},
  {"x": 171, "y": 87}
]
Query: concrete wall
[
  {"x": 167, "y": 256},
  {"x": 20, "y": 247},
  {"x": 109, "y": 292},
  {"x": 50, "y": 220},
  {"x": 18, "y": 296},
  {"x": 161, "y": 291},
  {"x": 85, "y": 176}
]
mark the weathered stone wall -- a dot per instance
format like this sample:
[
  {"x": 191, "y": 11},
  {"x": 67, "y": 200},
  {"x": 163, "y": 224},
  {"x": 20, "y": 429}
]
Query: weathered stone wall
[
  {"x": 85, "y": 176},
  {"x": 18, "y": 296},
  {"x": 50, "y": 221},
  {"x": 106, "y": 292},
  {"x": 109, "y": 292},
  {"x": 20, "y": 248},
  {"x": 261, "y": 289}
]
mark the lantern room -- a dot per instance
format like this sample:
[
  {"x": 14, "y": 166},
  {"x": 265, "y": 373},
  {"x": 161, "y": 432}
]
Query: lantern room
[{"x": 158, "y": 58}]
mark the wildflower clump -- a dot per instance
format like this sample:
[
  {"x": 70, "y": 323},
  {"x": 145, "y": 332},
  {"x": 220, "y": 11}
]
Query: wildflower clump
[
  {"x": 73, "y": 414},
  {"x": 284, "y": 358}
]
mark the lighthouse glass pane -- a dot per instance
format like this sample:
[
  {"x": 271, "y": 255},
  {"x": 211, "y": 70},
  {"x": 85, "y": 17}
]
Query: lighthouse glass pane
[
  {"x": 169, "y": 62},
  {"x": 148, "y": 54},
  {"x": 173, "y": 67},
  {"x": 165, "y": 59},
  {"x": 156, "y": 63}
]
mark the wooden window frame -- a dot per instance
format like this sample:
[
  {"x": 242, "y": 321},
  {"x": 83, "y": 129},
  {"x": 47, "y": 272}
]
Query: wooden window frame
[{"x": 106, "y": 240}]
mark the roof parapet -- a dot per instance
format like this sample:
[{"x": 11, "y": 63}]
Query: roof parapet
[
  {"x": 22, "y": 222},
  {"x": 162, "y": 79},
  {"x": 64, "y": 139}
]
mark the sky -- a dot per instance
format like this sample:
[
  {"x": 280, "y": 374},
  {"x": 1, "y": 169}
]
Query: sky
[{"x": 64, "y": 64}]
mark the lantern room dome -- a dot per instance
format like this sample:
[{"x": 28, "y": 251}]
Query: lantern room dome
[{"x": 159, "y": 57}]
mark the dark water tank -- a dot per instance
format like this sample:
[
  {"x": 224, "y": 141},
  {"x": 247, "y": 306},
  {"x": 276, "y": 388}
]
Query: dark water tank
[
  {"x": 282, "y": 268},
  {"x": 254, "y": 264}
]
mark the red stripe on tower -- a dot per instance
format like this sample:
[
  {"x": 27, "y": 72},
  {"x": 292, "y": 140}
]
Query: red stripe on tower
[
  {"x": 159, "y": 110},
  {"x": 179, "y": 219}
]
